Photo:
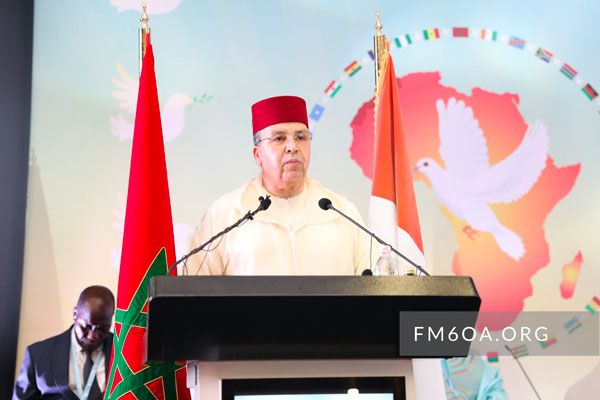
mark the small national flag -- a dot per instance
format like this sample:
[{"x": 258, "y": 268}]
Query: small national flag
[
  {"x": 431, "y": 34},
  {"x": 486, "y": 34},
  {"x": 492, "y": 356},
  {"x": 352, "y": 68},
  {"x": 371, "y": 54},
  {"x": 591, "y": 94},
  {"x": 460, "y": 32},
  {"x": 549, "y": 342},
  {"x": 520, "y": 351},
  {"x": 568, "y": 71},
  {"x": 516, "y": 42},
  {"x": 316, "y": 112},
  {"x": 593, "y": 305},
  {"x": 544, "y": 55},
  {"x": 332, "y": 89},
  {"x": 573, "y": 324},
  {"x": 403, "y": 41}
]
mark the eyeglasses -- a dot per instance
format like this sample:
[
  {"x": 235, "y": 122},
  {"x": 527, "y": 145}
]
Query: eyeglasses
[{"x": 279, "y": 139}]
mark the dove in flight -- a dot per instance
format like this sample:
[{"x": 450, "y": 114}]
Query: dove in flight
[
  {"x": 172, "y": 113},
  {"x": 468, "y": 184}
]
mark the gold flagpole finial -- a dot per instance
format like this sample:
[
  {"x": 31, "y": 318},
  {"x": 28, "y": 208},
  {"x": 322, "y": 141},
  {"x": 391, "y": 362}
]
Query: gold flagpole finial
[
  {"x": 142, "y": 32},
  {"x": 379, "y": 49},
  {"x": 378, "y": 25},
  {"x": 144, "y": 18}
]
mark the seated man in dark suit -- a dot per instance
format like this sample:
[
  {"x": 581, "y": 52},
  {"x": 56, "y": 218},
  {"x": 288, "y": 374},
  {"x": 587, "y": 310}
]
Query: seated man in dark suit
[{"x": 75, "y": 364}]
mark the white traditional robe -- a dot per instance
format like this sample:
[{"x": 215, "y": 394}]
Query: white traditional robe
[{"x": 293, "y": 237}]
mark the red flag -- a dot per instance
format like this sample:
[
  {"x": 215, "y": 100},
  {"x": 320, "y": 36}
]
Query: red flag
[
  {"x": 393, "y": 209},
  {"x": 148, "y": 247}
]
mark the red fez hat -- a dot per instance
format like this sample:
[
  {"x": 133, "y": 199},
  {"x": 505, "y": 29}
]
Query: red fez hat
[{"x": 275, "y": 110}]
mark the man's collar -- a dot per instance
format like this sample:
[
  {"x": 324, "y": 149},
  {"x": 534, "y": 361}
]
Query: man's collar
[
  {"x": 308, "y": 200},
  {"x": 298, "y": 199}
]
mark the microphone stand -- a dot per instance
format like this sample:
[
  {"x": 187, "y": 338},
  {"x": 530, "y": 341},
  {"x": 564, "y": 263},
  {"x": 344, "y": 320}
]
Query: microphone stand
[
  {"x": 418, "y": 267},
  {"x": 264, "y": 204}
]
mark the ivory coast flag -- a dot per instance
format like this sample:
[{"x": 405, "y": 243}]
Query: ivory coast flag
[
  {"x": 148, "y": 247},
  {"x": 393, "y": 209}
]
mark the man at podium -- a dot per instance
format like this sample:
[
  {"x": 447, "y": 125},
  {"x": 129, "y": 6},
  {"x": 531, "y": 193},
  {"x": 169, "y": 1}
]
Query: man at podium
[{"x": 294, "y": 236}]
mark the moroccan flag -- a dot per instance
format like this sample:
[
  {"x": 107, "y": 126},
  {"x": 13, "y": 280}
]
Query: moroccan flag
[
  {"x": 393, "y": 210},
  {"x": 148, "y": 247},
  {"x": 460, "y": 32}
]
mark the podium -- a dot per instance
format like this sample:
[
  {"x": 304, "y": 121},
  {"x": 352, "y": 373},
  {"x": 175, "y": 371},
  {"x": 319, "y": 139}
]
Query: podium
[{"x": 228, "y": 326}]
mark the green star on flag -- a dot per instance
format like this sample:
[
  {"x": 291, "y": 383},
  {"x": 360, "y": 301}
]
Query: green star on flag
[{"x": 127, "y": 321}]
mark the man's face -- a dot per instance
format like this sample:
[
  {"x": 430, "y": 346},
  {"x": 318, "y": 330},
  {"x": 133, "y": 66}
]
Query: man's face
[
  {"x": 92, "y": 321},
  {"x": 284, "y": 159}
]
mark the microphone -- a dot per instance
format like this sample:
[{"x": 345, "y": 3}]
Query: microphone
[
  {"x": 265, "y": 202},
  {"x": 325, "y": 204}
]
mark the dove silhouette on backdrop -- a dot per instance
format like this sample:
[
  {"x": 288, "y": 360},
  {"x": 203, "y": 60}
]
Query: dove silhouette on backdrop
[
  {"x": 468, "y": 184},
  {"x": 172, "y": 113}
]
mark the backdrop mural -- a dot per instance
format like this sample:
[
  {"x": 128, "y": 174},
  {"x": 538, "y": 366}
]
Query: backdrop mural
[{"x": 498, "y": 87}]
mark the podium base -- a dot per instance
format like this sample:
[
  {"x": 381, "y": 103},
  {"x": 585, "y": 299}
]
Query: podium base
[{"x": 204, "y": 377}]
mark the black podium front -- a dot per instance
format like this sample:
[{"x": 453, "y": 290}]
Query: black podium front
[{"x": 292, "y": 317}]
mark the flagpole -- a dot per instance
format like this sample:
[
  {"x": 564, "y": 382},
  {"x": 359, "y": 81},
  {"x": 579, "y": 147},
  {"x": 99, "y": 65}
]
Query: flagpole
[
  {"x": 143, "y": 36},
  {"x": 148, "y": 248},
  {"x": 379, "y": 51}
]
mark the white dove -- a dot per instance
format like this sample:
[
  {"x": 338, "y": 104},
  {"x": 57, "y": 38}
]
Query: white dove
[
  {"x": 469, "y": 183},
  {"x": 154, "y": 6},
  {"x": 172, "y": 114}
]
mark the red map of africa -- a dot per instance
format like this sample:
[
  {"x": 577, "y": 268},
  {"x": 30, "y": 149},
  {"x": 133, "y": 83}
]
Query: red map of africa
[{"x": 502, "y": 282}]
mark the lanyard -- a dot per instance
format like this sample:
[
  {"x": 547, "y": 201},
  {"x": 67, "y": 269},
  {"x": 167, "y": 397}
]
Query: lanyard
[{"x": 83, "y": 395}]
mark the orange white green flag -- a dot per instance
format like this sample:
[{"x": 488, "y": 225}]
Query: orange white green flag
[
  {"x": 393, "y": 209},
  {"x": 393, "y": 212}
]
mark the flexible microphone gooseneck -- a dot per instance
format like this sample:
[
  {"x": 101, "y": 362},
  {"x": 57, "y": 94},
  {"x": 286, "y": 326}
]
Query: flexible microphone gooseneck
[
  {"x": 265, "y": 202},
  {"x": 325, "y": 204}
]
